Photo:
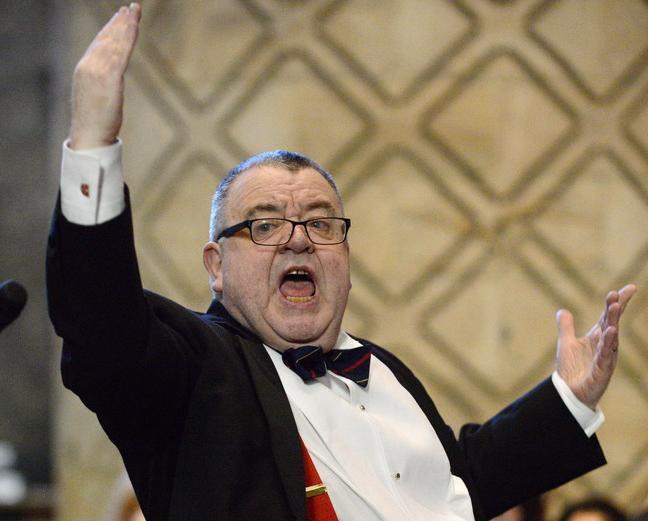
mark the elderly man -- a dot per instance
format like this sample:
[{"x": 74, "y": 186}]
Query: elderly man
[{"x": 262, "y": 408}]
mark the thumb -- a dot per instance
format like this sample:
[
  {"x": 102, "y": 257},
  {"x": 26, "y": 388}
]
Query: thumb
[{"x": 565, "y": 322}]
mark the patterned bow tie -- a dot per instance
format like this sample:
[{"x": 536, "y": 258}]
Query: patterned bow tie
[{"x": 309, "y": 362}]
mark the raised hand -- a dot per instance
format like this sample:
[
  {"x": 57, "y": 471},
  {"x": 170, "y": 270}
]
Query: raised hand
[
  {"x": 98, "y": 83},
  {"x": 586, "y": 363}
]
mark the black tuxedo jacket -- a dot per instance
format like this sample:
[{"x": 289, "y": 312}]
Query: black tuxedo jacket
[{"x": 197, "y": 411}]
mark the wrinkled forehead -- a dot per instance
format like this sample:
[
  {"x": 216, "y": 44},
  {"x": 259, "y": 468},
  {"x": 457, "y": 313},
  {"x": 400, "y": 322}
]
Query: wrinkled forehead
[{"x": 272, "y": 189}]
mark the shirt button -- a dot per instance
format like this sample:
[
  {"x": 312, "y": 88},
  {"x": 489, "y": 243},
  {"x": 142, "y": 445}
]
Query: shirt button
[
  {"x": 397, "y": 475},
  {"x": 362, "y": 407}
]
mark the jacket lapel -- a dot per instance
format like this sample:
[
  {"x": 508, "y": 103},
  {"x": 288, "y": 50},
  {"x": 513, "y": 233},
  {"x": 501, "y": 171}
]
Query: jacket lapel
[{"x": 284, "y": 437}]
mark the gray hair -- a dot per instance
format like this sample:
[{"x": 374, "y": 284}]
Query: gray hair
[{"x": 291, "y": 161}]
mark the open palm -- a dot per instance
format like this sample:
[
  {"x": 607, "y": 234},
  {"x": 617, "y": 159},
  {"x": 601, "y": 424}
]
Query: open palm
[{"x": 586, "y": 363}]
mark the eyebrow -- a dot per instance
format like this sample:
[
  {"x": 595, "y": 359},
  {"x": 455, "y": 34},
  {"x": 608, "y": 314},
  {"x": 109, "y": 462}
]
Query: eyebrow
[
  {"x": 260, "y": 208},
  {"x": 328, "y": 208}
]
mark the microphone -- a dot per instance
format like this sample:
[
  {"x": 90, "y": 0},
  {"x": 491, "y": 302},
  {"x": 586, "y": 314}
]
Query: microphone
[{"x": 13, "y": 297}]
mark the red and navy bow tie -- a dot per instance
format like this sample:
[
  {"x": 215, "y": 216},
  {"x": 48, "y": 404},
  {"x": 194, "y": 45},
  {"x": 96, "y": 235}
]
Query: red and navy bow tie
[{"x": 309, "y": 362}]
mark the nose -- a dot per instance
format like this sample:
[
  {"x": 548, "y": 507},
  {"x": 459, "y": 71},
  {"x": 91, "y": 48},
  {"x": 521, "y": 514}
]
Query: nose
[{"x": 299, "y": 241}]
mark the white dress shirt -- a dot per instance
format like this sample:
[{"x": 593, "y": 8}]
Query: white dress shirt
[{"x": 373, "y": 447}]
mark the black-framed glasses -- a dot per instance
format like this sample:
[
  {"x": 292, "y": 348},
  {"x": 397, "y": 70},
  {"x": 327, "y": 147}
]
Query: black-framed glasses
[{"x": 276, "y": 231}]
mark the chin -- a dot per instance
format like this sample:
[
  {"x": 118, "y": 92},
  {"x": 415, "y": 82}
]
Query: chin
[{"x": 302, "y": 332}]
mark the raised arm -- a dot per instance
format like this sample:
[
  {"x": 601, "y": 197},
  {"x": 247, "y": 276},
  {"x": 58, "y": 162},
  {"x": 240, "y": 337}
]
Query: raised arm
[
  {"x": 98, "y": 83},
  {"x": 586, "y": 363},
  {"x": 118, "y": 342}
]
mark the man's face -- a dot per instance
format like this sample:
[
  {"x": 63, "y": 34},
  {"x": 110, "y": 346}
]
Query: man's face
[{"x": 258, "y": 284}]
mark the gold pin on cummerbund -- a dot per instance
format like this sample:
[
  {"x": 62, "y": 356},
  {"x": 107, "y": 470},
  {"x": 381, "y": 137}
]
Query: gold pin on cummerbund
[{"x": 315, "y": 490}]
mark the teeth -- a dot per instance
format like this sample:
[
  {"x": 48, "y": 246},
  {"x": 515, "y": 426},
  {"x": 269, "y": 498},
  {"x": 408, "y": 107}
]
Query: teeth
[
  {"x": 297, "y": 272},
  {"x": 298, "y": 300}
]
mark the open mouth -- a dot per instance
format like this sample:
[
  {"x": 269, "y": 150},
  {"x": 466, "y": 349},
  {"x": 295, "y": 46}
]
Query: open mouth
[{"x": 297, "y": 285}]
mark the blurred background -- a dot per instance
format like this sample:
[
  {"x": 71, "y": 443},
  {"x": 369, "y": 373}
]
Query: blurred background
[{"x": 493, "y": 156}]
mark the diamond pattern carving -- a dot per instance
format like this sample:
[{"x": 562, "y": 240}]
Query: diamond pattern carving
[
  {"x": 467, "y": 124},
  {"x": 358, "y": 318},
  {"x": 382, "y": 41},
  {"x": 177, "y": 226},
  {"x": 586, "y": 204},
  {"x": 157, "y": 126},
  {"x": 176, "y": 39},
  {"x": 451, "y": 325},
  {"x": 635, "y": 123},
  {"x": 417, "y": 221},
  {"x": 328, "y": 124},
  {"x": 604, "y": 50},
  {"x": 465, "y": 151}
]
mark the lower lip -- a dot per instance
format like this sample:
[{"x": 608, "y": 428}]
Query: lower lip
[{"x": 299, "y": 300}]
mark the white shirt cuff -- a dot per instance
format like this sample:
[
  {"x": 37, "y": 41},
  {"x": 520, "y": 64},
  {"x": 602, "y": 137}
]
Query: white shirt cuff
[
  {"x": 92, "y": 184},
  {"x": 588, "y": 419}
]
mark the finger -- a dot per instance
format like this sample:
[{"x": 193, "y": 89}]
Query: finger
[
  {"x": 131, "y": 30},
  {"x": 625, "y": 294},
  {"x": 136, "y": 9},
  {"x": 609, "y": 346},
  {"x": 116, "y": 19},
  {"x": 565, "y": 322},
  {"x": 610, "y": 299},
  {"x": 613, "y": 314},
  {"x": 605, "y": 360},
  {"x": 126, "y": 22},
  {"x": 602, "y": 320},
  {"x": 115, "y": 42},
  {"x": 122, "y": 21}
]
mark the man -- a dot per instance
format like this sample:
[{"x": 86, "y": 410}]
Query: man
[{"x": 228, "y": 415}]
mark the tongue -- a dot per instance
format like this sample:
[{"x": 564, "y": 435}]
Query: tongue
[{"x": 294, "y": 288}]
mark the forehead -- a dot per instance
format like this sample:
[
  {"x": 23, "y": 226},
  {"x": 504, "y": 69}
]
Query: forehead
[{"x": 266, "y": 186}]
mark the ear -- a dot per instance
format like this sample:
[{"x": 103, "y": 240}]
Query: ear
[{"x": 213, "y": 264}]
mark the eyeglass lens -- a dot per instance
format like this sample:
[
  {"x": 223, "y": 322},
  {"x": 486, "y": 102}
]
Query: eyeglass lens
[{"x": 326, "y": 230}]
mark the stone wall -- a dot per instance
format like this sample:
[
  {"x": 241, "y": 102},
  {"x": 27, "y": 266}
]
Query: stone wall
[{"x": 492, "y": 155}]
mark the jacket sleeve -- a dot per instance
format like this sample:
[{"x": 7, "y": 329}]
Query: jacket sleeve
[
  {"x": 530, "y": 447},
  {"x": 123, "y": 360}
]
